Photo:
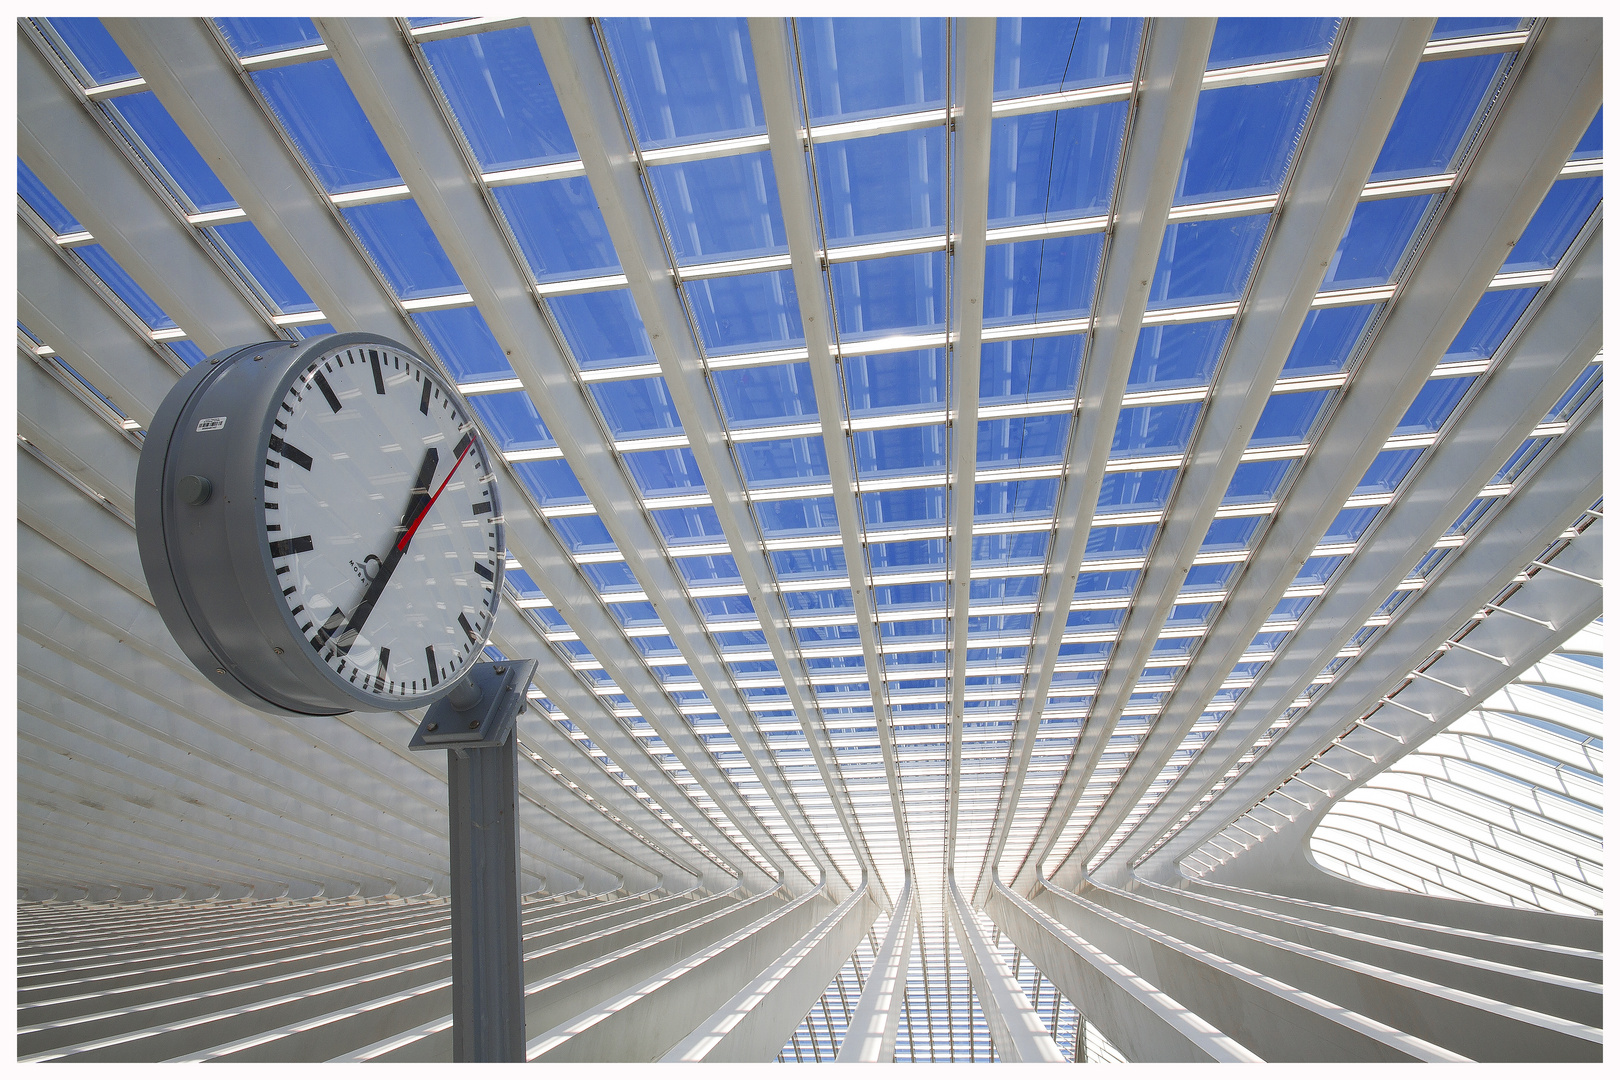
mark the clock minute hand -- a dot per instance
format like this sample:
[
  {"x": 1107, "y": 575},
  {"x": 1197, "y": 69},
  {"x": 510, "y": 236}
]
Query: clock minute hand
[{"x": 344, "y": 640}]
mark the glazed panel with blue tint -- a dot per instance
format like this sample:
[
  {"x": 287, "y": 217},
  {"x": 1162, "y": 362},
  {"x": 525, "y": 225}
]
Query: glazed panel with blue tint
[
  {"x": 602, "y": 329},
  {"x": 1154, "y": 429},
  {"x": 1022, "y": 440},
  {"x": 1242, "y": 139},
  {"x": 498, "y": 88},
  {"x": 1387, "y": 471},
  {"x": 1119, "y": 541},
  {"x": 1579, "y": 390},
  {"x": 113, "y": 276},
  {"x": 264, "y": 266},
  {"x": 1288, "y": 418},
  {"x": 819, "y": 600},
  {"x": 1435, "y": 115},
  {"x": 1040, "y": 280},
  {"x": 464, "y": 342},
  {"x": 321, "y": 115},
  {"x": 686, "y": 79},
  {"x": 773, "y": 462},
  {"x": 1378, "y": 235},
  {"x": 918, "y": 506},
  {"x": 915, "y": 595},
  {"x": 609, "y": 576},
  {"x": 808, "y": 562},
  {"x": 1206, "y": 262},
  {"x": 1024, "y": 587},
  {"x": 900, "y": 293},
  {"x": 1433, "y": 405},
  {"x": 1257, "y": 41},
  {"x": 790, "y": 517},
  {"x": 689, "y": 525},
  {"x": 512, "y": 421},
  {"x": 1038, "y": 56},
  {"x": 893, "y": 382},
  {"x": 720, "y": 208},
  {"x": 524, "y": 585},
  {"x": 404, "y": 247},
  {"x": 664, "y": 472},
  {"x": 772, "y": 394},
  {"x": 1055, "y": 165},
  {"x": 1327, "y": 339},
  {"x": 583, "y": 533},
  {"x": 43, "y": 203},
  {"x": 1205, "y": 578},
  {"x": 871, "y": 67},
  {"x": 551, "y": 482},
  {"x": 1131, "y": 492},
  {"x": 1257, "y": 481},
  {"x": 94, "y": 49},
  {"x": 1014, "y": 500},
  {"x": 1291, "y": 608},
  {"x": 635, "y": 614},
  {"x": 1349, "y": 525},
  {"x": 637, "y": 408},
  {"x": 1180, "y": 354},
  {"x": 174, "y": 153},
  {"x": 1488, "y": 325},
  {"x": 728, "y": 607},
  {"x": 1229, "y": 534},
  {"x": 741, "y": 314},
  {"x": 1184, "y": 615},
  {"x": 708, "y": 569},
  {"x": 188, "y": 352},
  {"x": 1100, "y": 585},
  {"x": 1591, "y": 144},
  {"x": 559, "y": 227},
  {"x": 891, "y": 451},
  {"x": 255, "y": 37},
  {"x": 1317, "y": 571},
  {"x": 1563, "y": 211},
  {"x": 1036, "y": 369},
  {"x": 883, "y": 187},
  {"x": 906, "y": 554},
  {"x": 1454, "y": 28}
]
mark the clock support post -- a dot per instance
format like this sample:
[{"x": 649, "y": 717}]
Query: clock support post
[{"x": 477, "y": 726}]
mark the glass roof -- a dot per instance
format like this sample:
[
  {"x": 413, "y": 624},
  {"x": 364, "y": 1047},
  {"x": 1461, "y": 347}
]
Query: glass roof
[{"x": 770, "y": 513}]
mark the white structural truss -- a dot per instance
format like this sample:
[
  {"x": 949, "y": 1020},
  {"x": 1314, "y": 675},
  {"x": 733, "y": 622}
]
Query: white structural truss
[{"x": 1044, "y": 539}]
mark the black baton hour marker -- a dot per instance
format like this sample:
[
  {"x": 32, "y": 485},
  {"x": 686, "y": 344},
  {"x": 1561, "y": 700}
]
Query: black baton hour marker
[
  {"x": 382, "y": 664},
  {"x": 467, "y": 628},
  {"x": 280, "y": 549},
  {"x": 427, "y": 390},
  {"x": 326, "y": 392},
  {"x": 433, "y": 666},
  {"x": 376, "y": 372}
]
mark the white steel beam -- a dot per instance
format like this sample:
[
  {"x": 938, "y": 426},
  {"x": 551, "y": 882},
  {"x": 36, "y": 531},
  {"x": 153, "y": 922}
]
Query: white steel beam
[
  {"x": 873, "y": 1026},
  {"x": 1016, "y": 1030}
]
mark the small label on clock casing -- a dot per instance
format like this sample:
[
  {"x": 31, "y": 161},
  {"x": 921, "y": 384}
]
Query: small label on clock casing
[{"x": 212, "y": 423}]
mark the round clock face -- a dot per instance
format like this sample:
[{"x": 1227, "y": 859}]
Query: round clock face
[{"x": 381, "y": 523}]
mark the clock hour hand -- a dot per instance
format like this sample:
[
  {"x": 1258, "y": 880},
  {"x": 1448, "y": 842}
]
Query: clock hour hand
[{"x": 414, "y": 509}]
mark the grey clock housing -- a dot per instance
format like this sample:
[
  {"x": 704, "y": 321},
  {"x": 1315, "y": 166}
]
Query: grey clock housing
[{"x": 202, "y": 545}]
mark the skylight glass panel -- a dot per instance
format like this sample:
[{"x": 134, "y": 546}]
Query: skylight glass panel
[
  {"x": 1591, "y": 144},
  {"x": 1327, "y": 340},
  {"x": 772, "y": 462},
  {"x": 1215, "y": 576},
  {"x": 808, "y": 562},
  {"x": 310, "y": 330},
  {"x": 1010, "y": 549},
  {"x": 708, "y": 570},
  {"x": 862, "y": 67},
  {"x": 1136, "y": 491},
  {"x": 1229, "y": 534},
  {"x": 1563, "y": 211},
  {"x": 1585, "y": 384},
  {"x": 1288, "y": 418},
  {"x": 1387, "y": 471},
  {"x": 176, "y": 159},
  {"x": 513, "y": 421},
  {"x": 883, "y": 187},
  {"x": 1022, "y": 440},
  {"x": 1036, "y": 369},
  {"x": 689, "y": 525},
  {"x": 1206, "y": 262},
  {"x": 113, "y": 276},
  {"x": 1257, "y": 481},
  {"x": 463, "y": 340},
  {"x": 1488, "y": 325},
  {"x": 1180, "y": 354},
  {"x": 900, "y": 293},
  {"x": 583, "y": 533},
  {"x": 1055, "y": 165},
  {"x": 1258, "y": 41},
  {"x": 187, "y": 351},
  {"x": 748, "y": 312},
  {"x": 404, "y": 247},
  {"x": 498, "y": 88},
  {"x": 764, "y": 395},
  {"x": 905, "y": 554},
  {"x": 891, "y": 451},
  {"x": 894, "y": 382},
  {"x": 1038, "y": 56},
  {"x": 1154, "y": 429},
  {"x": 1291, "y": 608},
  {"x": 1103, "y": 584},
  {"x": 42, "y": 202},
  {"x": 95, "y": 50},
  {"x": 1349, "y": 525},
  {"x": 264, "y": 267},
  {"x": 1440, "y": 106},
  {"x": 559, "y": 228},
  {"x": 1317, "y": 571},
  {"x": 720, "y": 208},
  {"x": 917, "y": 506},
  {"x": 551, "y": 482},
  {"x": 1453, "y": 28},
  {"x": 637, "y": 408},
  {"x": 686, "y": 79},
  {"x": 1119, "y": 541},
  {"x": 602, "y": 329},
  {"x": 1377, "y": 237},
  {"x": 254, "y": 37},
  {"x": 1433, "y": 406},
  {"x": 1041, "y": 280},
  {"x": 608, "y": 576},
  {"x": 796, "y": 517},
  {"x": 322, "y": 116},
  {"x": 1243, "y": 137}
]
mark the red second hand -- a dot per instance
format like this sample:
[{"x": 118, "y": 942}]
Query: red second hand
[{"x": 405, "y": 540}]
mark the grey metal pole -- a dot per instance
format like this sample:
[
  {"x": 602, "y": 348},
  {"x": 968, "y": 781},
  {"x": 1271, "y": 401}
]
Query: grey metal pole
[{"x": 477, "y": 727}]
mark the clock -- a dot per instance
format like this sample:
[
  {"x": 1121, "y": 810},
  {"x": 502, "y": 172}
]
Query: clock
[{"x": 320, "y": 526}]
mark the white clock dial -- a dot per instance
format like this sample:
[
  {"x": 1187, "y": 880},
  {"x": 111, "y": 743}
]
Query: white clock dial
[{"x": 381, "y": 522}]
